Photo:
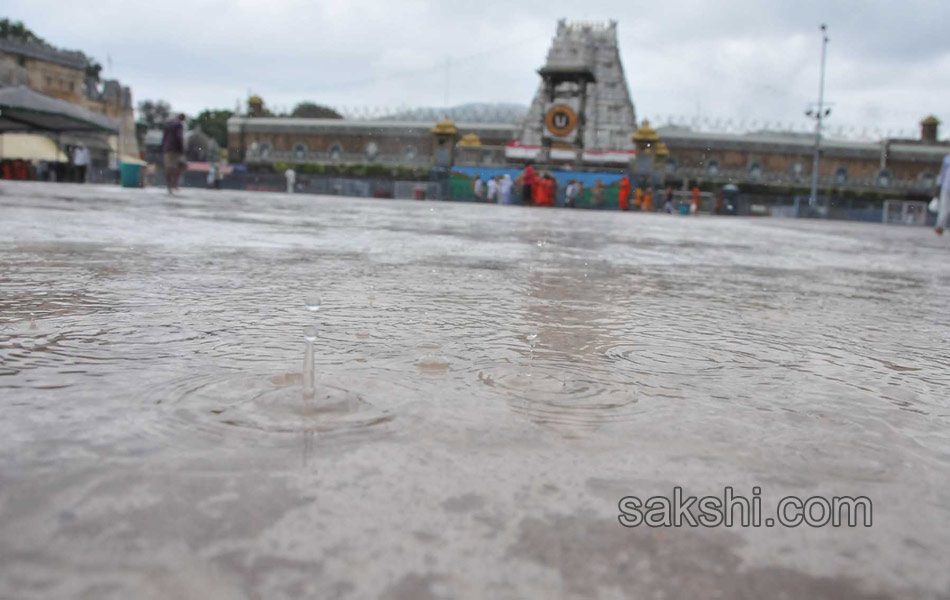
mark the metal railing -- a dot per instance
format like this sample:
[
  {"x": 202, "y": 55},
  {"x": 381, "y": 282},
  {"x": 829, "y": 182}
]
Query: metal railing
[
  {"x": 705, "y": 124},
  {"x": 740, "y": 176},
  {"x": 272, "y": 156}
]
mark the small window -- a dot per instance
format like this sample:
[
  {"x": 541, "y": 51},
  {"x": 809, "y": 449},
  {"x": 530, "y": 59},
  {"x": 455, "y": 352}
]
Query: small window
[
  {"x": 410, "y": 153},
  {"x": 265, "y": 150},
  {"x": 300, "y": 151},
  {"x": 371, "y": 150},
  {"x": 712, "y": 168},
  {"x": 336, "y": 152},
  {"x": 670, "y": 166},
  {"x": 884, "y": 179},
  {"x": 755, "y": 171},
  {"x": 841, "y": 176}
]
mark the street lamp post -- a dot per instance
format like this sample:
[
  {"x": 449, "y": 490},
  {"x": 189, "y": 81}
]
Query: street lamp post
[{"x": 819, "y": 115}]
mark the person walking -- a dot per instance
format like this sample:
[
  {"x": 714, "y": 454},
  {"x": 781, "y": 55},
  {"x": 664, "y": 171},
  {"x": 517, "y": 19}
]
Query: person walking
[
  {"x": 570, "y": 193},
  {"x": 173, "y": 147},
  {"x": 478, "y": 189},
  {"x": 527, "y": 184},
  {"x": 81, "y": 162},
  {"x": 546, "y": 190},
  {"x": 648, "y": 200},
  {"x": 492, "y": 190},
  {"x": 623, "y": 194},
  {"x": 291, "y": 177},
  {"x": 668, "y": 200},
  {"x": 638, "y": 198},
  {"x": 694, "y": 204},
  {"x": 943, "y": 206},
  {"x": 505, "y": 189},
  {"x": 210, "y": 179}
]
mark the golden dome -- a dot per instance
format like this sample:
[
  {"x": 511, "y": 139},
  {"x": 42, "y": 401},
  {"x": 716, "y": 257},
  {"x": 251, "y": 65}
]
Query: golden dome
[
  {"x": 445, "y": 127},
  {"x": 470, "y": 139},
  {"x": 930, "y": 120},
  {"x": 661, "y": 150},
  {"x": 646, "y": 134}
]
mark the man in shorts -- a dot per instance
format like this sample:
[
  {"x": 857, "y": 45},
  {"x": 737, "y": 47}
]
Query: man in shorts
[{"x": 173, "y": 146}]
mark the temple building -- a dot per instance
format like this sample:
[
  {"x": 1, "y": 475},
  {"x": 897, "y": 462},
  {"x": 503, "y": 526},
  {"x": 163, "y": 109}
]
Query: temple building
[
  {"x": 582, "y": 117},
  {"x": 582, "y": 112}
]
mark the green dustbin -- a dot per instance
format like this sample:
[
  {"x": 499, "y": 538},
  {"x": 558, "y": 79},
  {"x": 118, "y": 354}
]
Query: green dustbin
[{"x": 130, "y": 174}]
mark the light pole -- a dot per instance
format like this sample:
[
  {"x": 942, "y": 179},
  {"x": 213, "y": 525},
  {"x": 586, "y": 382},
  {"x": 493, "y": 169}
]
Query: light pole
[{"x": 821, "y": 113}]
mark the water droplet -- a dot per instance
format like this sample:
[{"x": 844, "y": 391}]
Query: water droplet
[
  {"x": 313, "y": 303},
  {"x": 532, "y": 339},
  {"x": 309, "y": 334}
]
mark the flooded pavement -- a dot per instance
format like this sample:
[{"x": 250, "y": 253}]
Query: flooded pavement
[{"x": 488, "y": 383}]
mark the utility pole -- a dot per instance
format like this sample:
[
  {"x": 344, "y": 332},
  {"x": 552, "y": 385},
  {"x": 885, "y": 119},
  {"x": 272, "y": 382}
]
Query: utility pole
[{"x": 819, "y": 115}]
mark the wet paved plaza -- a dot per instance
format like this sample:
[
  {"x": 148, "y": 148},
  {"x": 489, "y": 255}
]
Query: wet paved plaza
[{"x": 489, "y": 382}]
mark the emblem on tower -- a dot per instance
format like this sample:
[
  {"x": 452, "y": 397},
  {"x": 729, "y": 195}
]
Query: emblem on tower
[{"x": 560, "y": 120}]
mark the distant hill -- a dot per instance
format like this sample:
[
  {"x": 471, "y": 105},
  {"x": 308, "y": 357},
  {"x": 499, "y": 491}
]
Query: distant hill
[{"x": 476, "y": 112}]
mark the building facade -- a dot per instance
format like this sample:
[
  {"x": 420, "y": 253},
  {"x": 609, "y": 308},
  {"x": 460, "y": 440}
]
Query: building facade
[
  {"x": 62, "y": 74},
  {"x": 585, "y": 57},
  {"x": 266, "y": 140},
  {"x": 786, "y": 158}
]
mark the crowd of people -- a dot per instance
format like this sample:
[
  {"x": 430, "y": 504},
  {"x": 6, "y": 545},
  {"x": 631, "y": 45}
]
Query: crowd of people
[
  {"x": 541, "y": 190},
  {"x": 74, "y": 170}
]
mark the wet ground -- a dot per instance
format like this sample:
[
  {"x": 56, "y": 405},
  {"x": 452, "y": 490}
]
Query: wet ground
[{"x": 490, "y": 382}]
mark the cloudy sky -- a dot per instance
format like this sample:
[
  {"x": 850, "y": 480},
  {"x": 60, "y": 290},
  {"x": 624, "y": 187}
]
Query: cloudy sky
[{"x": 888, "y": 61}]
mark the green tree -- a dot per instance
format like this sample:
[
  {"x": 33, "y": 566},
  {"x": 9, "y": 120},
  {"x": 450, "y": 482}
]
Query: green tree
[
  {"x": 154, "y": 113},
  {"x": 214, "y": 122},
  {"x": 312, "y": 110},
  {"x": 16, "y": 30},
  {"x": 93, "y": 69}
]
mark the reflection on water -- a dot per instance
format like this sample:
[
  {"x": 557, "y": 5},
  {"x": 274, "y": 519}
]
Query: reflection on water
[{"x": 453, "y": 354}]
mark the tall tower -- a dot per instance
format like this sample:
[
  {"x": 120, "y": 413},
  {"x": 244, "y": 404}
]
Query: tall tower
[{"x": 605, "y": 113}]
